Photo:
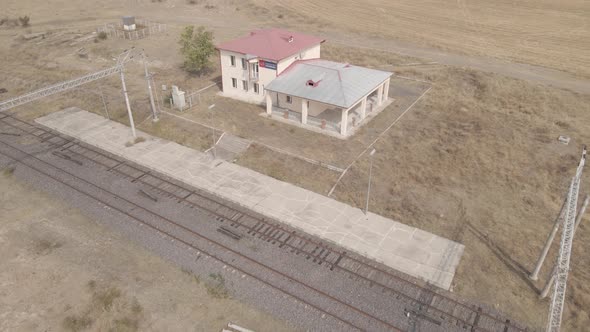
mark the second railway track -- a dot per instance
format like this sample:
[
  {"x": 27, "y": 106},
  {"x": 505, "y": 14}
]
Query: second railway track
[{"x": 423, "y": 299}]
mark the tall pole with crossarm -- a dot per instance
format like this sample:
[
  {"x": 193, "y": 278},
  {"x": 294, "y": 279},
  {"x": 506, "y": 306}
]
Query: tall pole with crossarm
[
  {"x": 565, "y": 250},
  {"x": 149, "y": 84}
]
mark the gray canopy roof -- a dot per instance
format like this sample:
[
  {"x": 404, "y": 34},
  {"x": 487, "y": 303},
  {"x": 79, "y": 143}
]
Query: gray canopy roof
[{"x": 329, "y": 82}]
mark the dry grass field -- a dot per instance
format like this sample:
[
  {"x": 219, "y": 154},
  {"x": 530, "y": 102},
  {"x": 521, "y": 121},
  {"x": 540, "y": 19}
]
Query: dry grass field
[
  {"x": 544, "y": 32},
  {"x": 476, "y": 160}
]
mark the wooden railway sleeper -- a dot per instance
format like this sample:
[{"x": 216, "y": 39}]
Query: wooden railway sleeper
[
  {"x": 272, "y": 235},
  {"x": 252, "y": 230},
  {"x": 229, "y": 233},
  {"x": 326, "y": 254},
  {"x": 259, "y": 229},
  {"x": 337, "y": 261},
  {"x": 268, "y": 233},
  {"x": 265, "y": 234},
  {"x": 312, "y": 253},
  {"x": 148, "y": 195},
  {"x": 281, "y": 232},
  {"x": 476, "y": 320},
  {"x": 319, "y": 256},
  {"x": 139, "y": 177},
  {"x": 66, "y": 157},
  {"x": 10, "y": 134},
  {"x": 286, "y": 241}
]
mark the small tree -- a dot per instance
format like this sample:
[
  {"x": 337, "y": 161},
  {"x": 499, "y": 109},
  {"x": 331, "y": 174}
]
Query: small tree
[
  {"x": 24, "y": 21},
  {"x": 196, "y": 48}
]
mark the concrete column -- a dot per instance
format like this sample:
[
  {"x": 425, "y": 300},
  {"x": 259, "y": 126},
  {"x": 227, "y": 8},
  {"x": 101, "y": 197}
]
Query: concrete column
[
  {"x": 364, "y": 108},
  {"x": 268, "y": 103},
  {"x": 380, "y": 95},
  {"x": 386, "y": 92},
  {"x": 344, "y": 122},
  {"x": 303, "y": 111}
]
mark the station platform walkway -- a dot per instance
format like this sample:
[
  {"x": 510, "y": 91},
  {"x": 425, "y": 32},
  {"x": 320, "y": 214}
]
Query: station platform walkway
[{"x": 407, "y": 249}]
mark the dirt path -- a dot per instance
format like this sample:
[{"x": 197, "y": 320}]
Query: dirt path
[
  {"x": 532, "y": 73},
  {"x": 179, "y": 13}
]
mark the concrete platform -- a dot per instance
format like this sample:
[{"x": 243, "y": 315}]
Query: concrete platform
[{"x": 404, "y": 248}]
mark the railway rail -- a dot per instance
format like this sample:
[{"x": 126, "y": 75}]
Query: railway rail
[
  {"x": 25, "y": 159},
  {"x": 423, "y": 300}
]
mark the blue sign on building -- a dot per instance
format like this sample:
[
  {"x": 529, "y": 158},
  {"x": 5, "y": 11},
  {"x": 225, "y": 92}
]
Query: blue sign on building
[{"x": 267, "y": 64}]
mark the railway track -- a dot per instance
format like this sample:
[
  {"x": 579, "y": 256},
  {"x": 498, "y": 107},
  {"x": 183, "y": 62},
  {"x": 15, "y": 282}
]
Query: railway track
[
  {"x": 130, "y": 209},
  {"x": 422, "y": 300}
]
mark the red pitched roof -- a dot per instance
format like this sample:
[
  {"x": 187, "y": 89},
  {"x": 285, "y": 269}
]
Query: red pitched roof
[{"x": 272, "y": 44}]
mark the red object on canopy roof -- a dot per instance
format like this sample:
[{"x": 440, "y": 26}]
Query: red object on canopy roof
[{"x": 272, "y": 44}]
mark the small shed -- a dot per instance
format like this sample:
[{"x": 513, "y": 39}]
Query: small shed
[{"x": 129, "y": 23}]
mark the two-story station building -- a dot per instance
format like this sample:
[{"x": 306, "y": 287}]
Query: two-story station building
[
  {"x": 250, "y": 63},
  {"x": 283, "y": 70}
]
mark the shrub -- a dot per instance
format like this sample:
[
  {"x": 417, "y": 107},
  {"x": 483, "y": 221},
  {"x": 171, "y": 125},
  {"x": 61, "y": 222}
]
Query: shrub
[
  {"x": 196, "y": 48},
  {"x": 216, "y": 287},
  {"x": 102, "y": 35},
  {"x": 76, "y": 323},
  {"x": 8, "y": 171},
  {"x": 24, "y": 21}
]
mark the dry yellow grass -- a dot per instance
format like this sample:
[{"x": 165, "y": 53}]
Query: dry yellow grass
[
  {"x": 476, "y": 161},
  {"x": 543, "y": 32},
  {"x": 64, "y": 272}
]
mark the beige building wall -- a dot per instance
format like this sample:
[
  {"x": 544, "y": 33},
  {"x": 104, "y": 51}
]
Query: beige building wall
[
  {"x": 228, "y": 72},
  {"x": 314, "y": 109},
  {"x": 310, "y": 53},
  {"x": 265, "y": 75}
]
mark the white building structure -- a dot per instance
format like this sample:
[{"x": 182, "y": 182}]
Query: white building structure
[
  {"x": 129, "y": 23},
  {"x": 320, "y": 92},
  {"x": 283, "y": 70},
  {"x": 250, "y": 63}
]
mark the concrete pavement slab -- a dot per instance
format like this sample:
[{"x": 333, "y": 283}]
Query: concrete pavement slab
[{"x": 407, "y": 249}]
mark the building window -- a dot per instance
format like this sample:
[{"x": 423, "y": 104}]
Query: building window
[
  {"x": 256, "y": 88},
  {"x": 289, "y": 100},
  {"x": 232, "y": 60},
  {"x": 234, "y": 82},
  {"x": 244, "y": 64},
  {"x": 245, "y": 85}
]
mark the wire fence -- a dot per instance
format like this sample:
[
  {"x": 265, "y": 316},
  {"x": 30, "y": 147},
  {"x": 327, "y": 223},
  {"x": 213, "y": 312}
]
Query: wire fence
[
  {"x": 194, "y": 98},
  {"x": 144, "y": 28}
]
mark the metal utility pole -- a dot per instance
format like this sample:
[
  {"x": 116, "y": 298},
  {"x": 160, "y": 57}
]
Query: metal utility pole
[
  {"x": 369, "y": 185},
  {"x": 149, "y": 84},
  {"x": 59, "y": 87},
  {"x": 127, "y": 104},
  {"x": 104, "y": 103},
  {"x": 212, "y": 130},
  {"x": 551, "y": 280},
  {"x": 582, "y": 211},
  {"x": 565, "y": 250},
  {"x": 535, "y": 274}
]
